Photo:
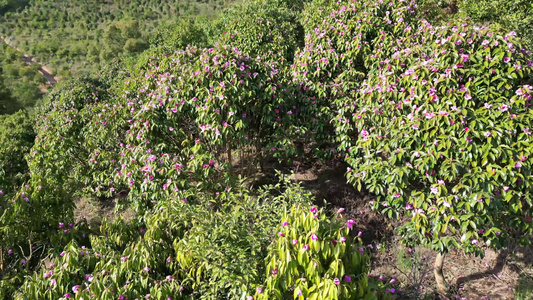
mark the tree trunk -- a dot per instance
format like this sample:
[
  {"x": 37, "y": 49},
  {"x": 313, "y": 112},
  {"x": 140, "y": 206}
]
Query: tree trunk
[
  {"x": 1, "y": 261},
  {"x": 230, "y": 158},
  {"x": 439, "y": 276}
]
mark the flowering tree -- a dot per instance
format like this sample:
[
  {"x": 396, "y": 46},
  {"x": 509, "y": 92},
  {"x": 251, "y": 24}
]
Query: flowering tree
[
  {"x": 440, "y": 130},
  {"x": 330, "y": 67}
]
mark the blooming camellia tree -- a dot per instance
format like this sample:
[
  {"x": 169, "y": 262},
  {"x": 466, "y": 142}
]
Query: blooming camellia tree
[{"x": 441, "y": 131}]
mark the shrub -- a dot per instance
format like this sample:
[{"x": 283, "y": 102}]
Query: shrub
[
  {"x": 331, "y": 66},
  {"x": 181, "y": 249},
  {"x": 314, "y": 257},
  {"x": 16, "y": 140},
  {"x": 440, "y": 130}
]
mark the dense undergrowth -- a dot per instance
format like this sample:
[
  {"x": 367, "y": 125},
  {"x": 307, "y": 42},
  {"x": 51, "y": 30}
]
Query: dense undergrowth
[{"x": 434, "y": 119}]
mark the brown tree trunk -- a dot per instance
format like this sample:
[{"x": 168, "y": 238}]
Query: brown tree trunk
[
  {"x": 1, "y": 261},
  {"x": 439, "y": 276},
  {"x": 230, "y": 158}
]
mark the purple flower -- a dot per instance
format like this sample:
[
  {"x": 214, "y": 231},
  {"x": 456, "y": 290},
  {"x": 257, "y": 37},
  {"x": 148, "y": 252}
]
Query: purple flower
[
  {"x": 10, "y": 251},
  {"x": 347, "y": 278},
  {"x": 67, "y": 295}
]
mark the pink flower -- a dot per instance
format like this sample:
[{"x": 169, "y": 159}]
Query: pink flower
[
  {"x": 124, "y": 258},
  {"x": 517, "y": 165},
  {"x": 468, "y": 97},
  {"x": 487, "y": 134},
  {"x": 285, "y": 224},
  {"x": 75, "y": 289},
  {"x": 53, "y": 281},
  {"x": 342, "y": 239},
  {"x": 350, "y": 224},
  {"x": 171, "y": 128},
  {"x": 305, "y": 247},
  {"x": 313, "y": 210},
  {"x": 336, "y": 281},
  {"x": 475, "y": 242},
  {"x": 527, "y": 218},
  {"x": 294, "y": 242},
  {"x": 314, "y": 237}
]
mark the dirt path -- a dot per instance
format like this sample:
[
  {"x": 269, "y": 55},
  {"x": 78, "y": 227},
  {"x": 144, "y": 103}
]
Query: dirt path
[{"x": 44, "y": 70}]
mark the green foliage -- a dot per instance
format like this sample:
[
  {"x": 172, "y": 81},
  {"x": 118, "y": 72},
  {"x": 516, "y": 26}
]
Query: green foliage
[
  {"x": 192, "y": 249},
  {"x": 440, "y": 130},
  {"x": 314, "y": 257},
  {"x": 16, "y": 140},
  {"x": 179, "y": 35}
]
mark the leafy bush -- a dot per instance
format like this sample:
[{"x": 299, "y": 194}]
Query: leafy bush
[
  {"x": 440, "y": 130},
  {"x": 314, "y": 257},
  {"x": 331, "y": 66},
  {"x": 16, "y": 140},
  {"x": 183, "y": 249}
]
